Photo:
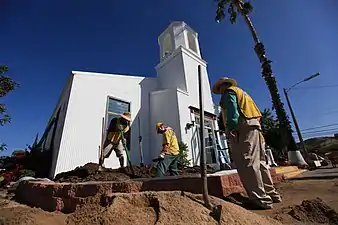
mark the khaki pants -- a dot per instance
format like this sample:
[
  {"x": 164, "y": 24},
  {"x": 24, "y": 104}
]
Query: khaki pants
[
  {"x": 109, "y": 149},
  {"x": 117, "y": 148},
  {"x": 248, "y": 152}
]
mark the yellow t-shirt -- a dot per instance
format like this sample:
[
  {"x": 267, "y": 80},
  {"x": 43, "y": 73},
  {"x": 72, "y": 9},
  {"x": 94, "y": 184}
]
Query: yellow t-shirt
[
  {"x": 114, "y": 132},
  {"x": 169, "y": 137}
]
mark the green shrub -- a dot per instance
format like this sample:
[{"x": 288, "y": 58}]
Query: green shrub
[
  {"x": 24, "y": 173},
  {"x": 184, "y": 161}
]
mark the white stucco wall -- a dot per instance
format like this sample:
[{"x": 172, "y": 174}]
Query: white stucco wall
[
  {"x": 186, "y": 117},
  {"x": 191, "y": 63},
  {"x": 163, "y": 108},
  {"x": 179, "y": 72},
  {"x": 87, "y": 105},
  {"x": 170, "y": 73}
]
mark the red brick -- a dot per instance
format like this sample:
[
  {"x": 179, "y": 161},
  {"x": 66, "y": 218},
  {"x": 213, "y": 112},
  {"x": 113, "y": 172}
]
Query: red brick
[{"x": 65, "y": 197}]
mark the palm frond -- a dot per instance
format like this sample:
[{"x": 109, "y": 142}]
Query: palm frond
[
  {"x": 220, "y": 15},
  {"x": 232, "y": 13},
  {"x": 247, "y": 7},
  {"x": 232, "y": 10}
]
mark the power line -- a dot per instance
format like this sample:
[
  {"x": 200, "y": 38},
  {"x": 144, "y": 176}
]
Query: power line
[
  {"x": 319, "y": 134},
  {"x": 330, "y": 112},
  {"x": 320, "y": 131},
  {"x": 313, "y": 128},
  {"x": 315, "y": 87}
]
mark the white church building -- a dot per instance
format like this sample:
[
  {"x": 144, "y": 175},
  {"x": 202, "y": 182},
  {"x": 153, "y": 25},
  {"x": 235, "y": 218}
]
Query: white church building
[{"x": 74, "y": 132}]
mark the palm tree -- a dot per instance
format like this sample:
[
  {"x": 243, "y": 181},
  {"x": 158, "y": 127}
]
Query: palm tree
[{"x": 245, "y": 8}]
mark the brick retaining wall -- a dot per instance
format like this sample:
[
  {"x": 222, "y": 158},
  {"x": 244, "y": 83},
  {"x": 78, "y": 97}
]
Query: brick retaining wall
[{"x": 65, "y": 197}]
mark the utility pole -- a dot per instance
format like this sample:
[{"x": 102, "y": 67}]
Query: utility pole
[
  {"x": 293, "y": 114},
  {"x": 202, "y": 144},
  {"x": 295, "y": 122}
]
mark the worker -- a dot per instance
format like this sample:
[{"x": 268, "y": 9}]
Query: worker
[
  {"x": 168, "y": 157},
  {"x": 269, "y": 156},
  {"x": 114, "y": 140},
  {"x": 241, "y": 119}
]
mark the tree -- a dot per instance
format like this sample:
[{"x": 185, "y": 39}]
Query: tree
[
  {"x": 18, "y": 152},
  {"x": 271, "y": 132},
  {"x": 268, "y": 121},
  {"x": 235, "y": 7},
  {"x": 3, "y": 147},
  {"x": 6, "y": 85},
  {"x": 183, "y": 156}
]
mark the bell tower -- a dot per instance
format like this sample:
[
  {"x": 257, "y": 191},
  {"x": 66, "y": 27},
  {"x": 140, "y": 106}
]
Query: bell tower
[
  {"x": 178, "y": 34},
  {"x": 180, "y": 57},
  {"x": 176, "y": 100}
]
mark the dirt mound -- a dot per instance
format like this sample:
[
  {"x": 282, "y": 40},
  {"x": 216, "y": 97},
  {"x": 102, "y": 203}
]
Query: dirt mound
[
  {"x": 315, "y": 211},
  {"x": 160, "y": 208},
  {"x": 89, "y": 172},
  {"x": 163, "y": 208},
  {"x": 28, "y": 216}
]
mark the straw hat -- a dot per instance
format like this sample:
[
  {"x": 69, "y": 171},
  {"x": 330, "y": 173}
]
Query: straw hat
[
  {"x": 158, "y": 125},
  {"x": 217, "y": 85},
  {"x": 126, "y": 116}
]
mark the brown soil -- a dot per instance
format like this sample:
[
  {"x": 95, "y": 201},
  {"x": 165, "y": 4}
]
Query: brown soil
[
  {"x": 89, "y": 172},
  {"x": 315, "y": 211},
  {"x": 300, "y": 207},
  {"x": 144, "y": 208}
]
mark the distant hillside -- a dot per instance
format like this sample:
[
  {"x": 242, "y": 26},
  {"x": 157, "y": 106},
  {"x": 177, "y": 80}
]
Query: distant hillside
[{"x": 323, "y": 144}]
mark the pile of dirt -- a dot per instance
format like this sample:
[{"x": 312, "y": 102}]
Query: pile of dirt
[
  {"x": 90, "y": 172},
  {"x": 22, "y": 215},
  {"x": 144, "y": 208},
  {"x": 314, "y": 211}
]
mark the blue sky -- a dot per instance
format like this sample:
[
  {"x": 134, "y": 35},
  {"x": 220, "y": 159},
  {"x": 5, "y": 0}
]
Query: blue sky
[{"x": 43, "y": 40}]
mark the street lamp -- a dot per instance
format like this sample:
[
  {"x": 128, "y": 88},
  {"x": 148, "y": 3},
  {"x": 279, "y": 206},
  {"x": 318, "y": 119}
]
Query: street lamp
[{"x": 291, "y": 110}]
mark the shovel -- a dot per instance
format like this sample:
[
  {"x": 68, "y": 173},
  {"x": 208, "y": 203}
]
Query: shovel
[
  {"x": 140, "y": 141},
  {"x": 101, "y": 157},
  {"x": 128, "y": 155}
]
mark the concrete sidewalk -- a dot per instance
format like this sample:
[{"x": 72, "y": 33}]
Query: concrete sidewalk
[{"x": 320, "y": 173}]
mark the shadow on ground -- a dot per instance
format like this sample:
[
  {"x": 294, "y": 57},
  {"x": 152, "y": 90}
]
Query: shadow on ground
[{"x": 241, "y": 200}]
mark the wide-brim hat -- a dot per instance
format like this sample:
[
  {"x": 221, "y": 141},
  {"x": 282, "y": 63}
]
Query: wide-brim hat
[
  {"x": 223, "y": 80},
  {"x": 126, "y": 116},
  {"x": 158, "y": 125}
]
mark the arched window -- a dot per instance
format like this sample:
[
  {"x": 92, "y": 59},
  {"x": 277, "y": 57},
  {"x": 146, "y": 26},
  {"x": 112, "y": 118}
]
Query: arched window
[
  {"x": 166, "y": 46},
  {"x": 192, "y": 42}
]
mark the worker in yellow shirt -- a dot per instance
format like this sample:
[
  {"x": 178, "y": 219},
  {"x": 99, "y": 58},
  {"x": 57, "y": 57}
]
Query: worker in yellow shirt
[
  {"x": 241, "y": 118},
  {"x": 168, "y": 158},
  {"x": 114, "y": 140}
]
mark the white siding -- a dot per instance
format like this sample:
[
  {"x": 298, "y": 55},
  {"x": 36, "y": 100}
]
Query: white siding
[
  {"x": 87, "y": 105},
  {"x": 63, "y": 105}
]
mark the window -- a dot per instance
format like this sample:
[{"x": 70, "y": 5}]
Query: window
[
  {"x": 166, "y": 46},
  {"x": 115, "y": 108},
  {"x": 192, "y": 42}
]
